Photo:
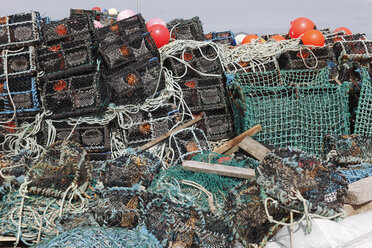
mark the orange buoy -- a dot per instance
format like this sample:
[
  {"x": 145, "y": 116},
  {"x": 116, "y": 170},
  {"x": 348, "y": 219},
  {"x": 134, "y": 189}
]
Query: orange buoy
[
  {"x": 277, "y": 37},
  {"x": 249, "y": 38},
  {"x": 299, "y": 26},
  {"x": 346, "y": 30},
  {"x": 313, "y": 38}
]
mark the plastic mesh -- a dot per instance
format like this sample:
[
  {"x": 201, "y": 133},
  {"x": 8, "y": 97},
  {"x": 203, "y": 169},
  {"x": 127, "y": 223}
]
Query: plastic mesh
[
  {"x": 133, "y": 167},
  {"x": 23, "y": 91},
  {"x": 363, "y": 124},
  {"x": 19, "y": 30},
  {"x": 61, "y": 166},
  {"x": 294, "y": 108},
  {"x": 191, "y": 29},
  {"x": 18, "y": 63},
  {"x": 135, "y": 83},
  {"x": 75, "y": 96},
  {"x": 226, "y": 37},
  {"x": 285, "y": 171},
  {"x": 346, "y": 150}
]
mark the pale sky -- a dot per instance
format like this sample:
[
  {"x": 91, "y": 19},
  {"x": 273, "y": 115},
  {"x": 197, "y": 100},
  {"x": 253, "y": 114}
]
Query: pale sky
[{"x": 261, "y": 17}]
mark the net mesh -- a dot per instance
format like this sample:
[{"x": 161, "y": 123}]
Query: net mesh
[
  {"x": 226, "y": 37},
  {"x": 295, "y": 108},
  {"x": 357, "y": 172},
  {"x": 363, "y": 125},
  {"x": 191, "y": 29},
  {"x": 18, "y": 63}
]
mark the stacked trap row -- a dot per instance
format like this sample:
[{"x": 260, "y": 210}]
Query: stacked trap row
[{"x": 295, "y": 108}]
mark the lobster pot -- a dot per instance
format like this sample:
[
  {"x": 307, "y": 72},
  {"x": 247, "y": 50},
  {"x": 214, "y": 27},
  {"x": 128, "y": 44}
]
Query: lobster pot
[
  {"x": 203, "y": 59},
  {"x": 359, "y": 49},
  {"x": 204, "y": 93},
  {"x": 23, "y": 93},
  {"x": 19, "y": 63},
  {"x": 94, "y": 14},
  {"x": 125, "y": 51},
  {"x": 226, "y": 37},
  {"x": 129, "y": 27},
  {"x": 270, "y": 64},
  {"x": 75, "y": 96},
  {"x": 69, "y": 29},
  {"x": 66, "y": 59},
  {"x": 148, "y": 125},
  {"x": 135, "y": 83},
  {"x": 19, "y": 30},
  {"x": 331, "y": 39},
  {"x": 191, "y": 29}
]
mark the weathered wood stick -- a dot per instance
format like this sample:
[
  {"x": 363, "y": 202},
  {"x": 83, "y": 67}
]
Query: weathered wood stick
[{"x": 254, "y": 148}]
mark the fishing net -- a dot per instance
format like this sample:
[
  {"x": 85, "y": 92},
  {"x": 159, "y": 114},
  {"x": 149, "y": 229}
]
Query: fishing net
[
  {"x": 318, "y": 57},
  {"x": 363, "y": 124},
  {"x": 133, "y": 167},
  {"x": 20, "y": 91},
  {"x": 124, "y": 51},
  {"x": 226, "y": 37},
  {"x": 346, "y": 150},
  {"x": 295, "y": 108},
  {"x": 148, "y": 125},
  {"x": 66, "y": 59},
  {"x": 357, "y": 172},
  {"x": 246, "y": 215},
  {"x": 103, "y": 237},
  {"x": 77, "y": 28},
  {"x": 191, "y": 29},
  {"x": 183, "y": 186},
  {"x": 75, "y": 96},
  {"x": 61, "y": 169},
  {"x": 129, "y": 27},
  {"x": 135, "y": 83},
  {"x": 18, "y": 63},
  {"x": 19, "y": 29},
  {"x": 302, "y": 182}
]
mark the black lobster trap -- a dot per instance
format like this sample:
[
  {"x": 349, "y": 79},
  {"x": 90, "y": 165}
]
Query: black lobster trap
[
  {"x": 129, "y": 27},
  {"x": 149, "y": 125},
  {"x": 335, "y": 37},
  {"x": 66, "y": 59},
  {"x": 125, "y": 51},
  {"x": 135, "y": 83},
  {"x": 191, "y": 29},
  {"x": 19, "y": 94},
  {"x": 360, "y": 50},
  {"x": 75, "y": 96},
  {"x": 19, "y": 30},
  {"x": 226, "y": 37},
  {"x": 17, "y": 63},
  {"x": 76, "y": 28}
]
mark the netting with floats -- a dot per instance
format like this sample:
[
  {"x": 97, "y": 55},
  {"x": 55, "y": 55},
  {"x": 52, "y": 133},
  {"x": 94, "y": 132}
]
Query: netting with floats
[{"x": 295, "y": 108}]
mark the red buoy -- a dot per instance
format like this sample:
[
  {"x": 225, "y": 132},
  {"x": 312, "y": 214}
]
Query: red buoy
[{"x": 299, "y": 26}]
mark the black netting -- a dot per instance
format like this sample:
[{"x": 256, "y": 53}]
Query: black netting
[
  {"x": 318, "y": 57},
  {"x": 135, "y": 83},
  {"x": 226, "y": 37},
  {"x": 358, "y": 50},
  {"x": 75, "y": 96},
  {"x": 124, "y": 51},
  {"x": 134, "y": 25},
  {"x": 19, "y": 30},
  {"x": 61, "y": 166},
  {"x": 18, "y": 63},
  {"x": 148, "y": 125},
  {"x": 191, "y": 29},
  {"x": 69, "y": 29},
  {"x": 23, "y": 91},
  {"x": 334, "y": 37},
  {"x": 94, "y": 14}
]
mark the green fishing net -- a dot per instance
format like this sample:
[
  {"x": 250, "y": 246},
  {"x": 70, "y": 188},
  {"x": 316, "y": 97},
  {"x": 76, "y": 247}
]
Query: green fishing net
[{"x": 363, "y": 124}]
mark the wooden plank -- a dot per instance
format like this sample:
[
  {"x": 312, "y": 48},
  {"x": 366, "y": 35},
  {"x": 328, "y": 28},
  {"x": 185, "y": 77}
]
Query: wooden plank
[
  {"x": 232, "y": 150},
  {"x": 254, "y": 148},
  {"x": 223, "y": 170},
  {"x": 235, "y": 141},
  {"x": 165, "y": 136}
]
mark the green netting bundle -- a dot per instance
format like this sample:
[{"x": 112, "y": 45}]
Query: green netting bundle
[
  {"x": 104, "y": 237},
  {"x": 295, "y": 108},
  {"x": 176, "y": 183},
  {"x": 363, "y": 124}
]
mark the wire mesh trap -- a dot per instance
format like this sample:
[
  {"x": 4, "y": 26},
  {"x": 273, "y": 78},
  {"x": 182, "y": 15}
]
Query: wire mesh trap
[
  {"x": 226, "y": 37},
  {"x": 149, "y": 125},
  {"x": 246, "y": 216},
  {"x": 302, "y": 182},
  {"x": 19, "y": 95},
  {"x": 363, "y": 123},
  {"x": 135, "y": 83},
  {"x": 295, "y": 108},
  {"x": 335, "y": 37},
  {"x": 191, "y": 29},
  {"x": 75, "y": 96},
  {"x": 126, "y": 28},
  {"x": 347, "y": 150},
  {"x": 358, "y": 50},
  {"x": 125, "y": 51},
  {"x": 133, "y": 167},
  {"x": 19, "y": 63},
  {"x": 61, "y": 168},
  {"x": 19, "y": 30},
  {"x": 65, "y": 56}
]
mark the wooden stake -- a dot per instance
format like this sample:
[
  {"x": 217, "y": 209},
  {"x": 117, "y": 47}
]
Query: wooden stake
[
  {"x": 165, "y": 136},
  {"x": 223, "y": 170},
  {"x": 235, "y": 141},
  {"x": 254, "y": 148}
]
